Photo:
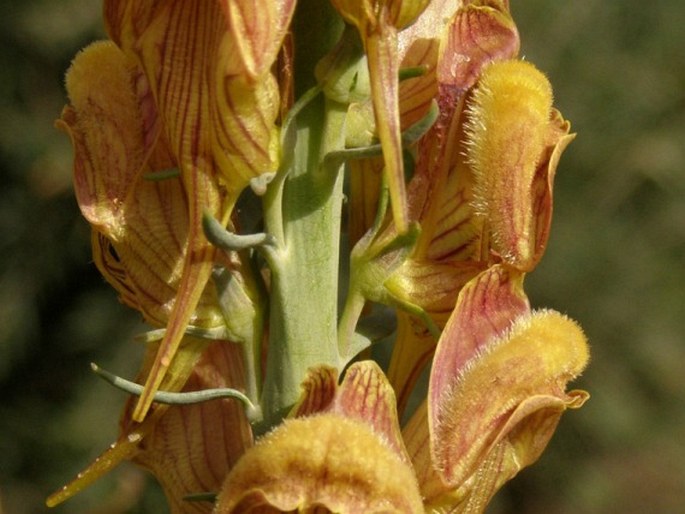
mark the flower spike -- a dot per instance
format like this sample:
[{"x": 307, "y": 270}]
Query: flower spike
[{"x": 211, "y": 141}]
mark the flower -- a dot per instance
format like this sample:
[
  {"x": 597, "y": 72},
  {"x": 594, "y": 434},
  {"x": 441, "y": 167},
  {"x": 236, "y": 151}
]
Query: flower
[
  {"x": 216, "y": 103},
  {"x": 497, "y": 390},
  {"x": 496, "y": 393},
  {"x": 355, "y": 463}
]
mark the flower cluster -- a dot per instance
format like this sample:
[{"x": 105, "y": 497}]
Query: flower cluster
[{"x": 215, "y": 144}]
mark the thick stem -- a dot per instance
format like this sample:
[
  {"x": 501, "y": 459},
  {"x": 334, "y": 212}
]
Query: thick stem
[{"x": 304, "y": 281}]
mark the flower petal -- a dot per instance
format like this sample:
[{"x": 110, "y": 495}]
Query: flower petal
[
  {"x": 142, "y": 225},
  {"x": 433, "y": 286},
  {"x": 482, "y": 31},
  {"x": 108, "y": 132},
  {"x": 558, "y": 138},
  {"x": 485, "y": 309},
  {"x": 289, "y": 469},
  {"x": 507, "y": 134},
  {"x": 364, "y": 395},
  {"x": 257, "y": 30},
  {"x": 319, "y": 388}
]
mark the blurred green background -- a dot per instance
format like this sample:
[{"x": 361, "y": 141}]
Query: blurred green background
[{"x": 615, "y": 262}]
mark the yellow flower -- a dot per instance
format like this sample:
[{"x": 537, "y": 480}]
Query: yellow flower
[
  {"x": 497, "y": 390},
  {"x": 170, "y": 120},
  {"x": 342, "y": 453},
  {"x": 475, "y": 203}
]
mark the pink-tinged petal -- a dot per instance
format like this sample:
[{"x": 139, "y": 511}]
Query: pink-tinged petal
[
  {"x": 326, "y": 461},
  {"x": 141, "y": 225},
  {"x": 558, "y": 138},
  {"x": 150, "y": 254},
  {"x": 485, "y": 309},
  {"x": 185, "y": 52},
  {"x": 481, "y": 32},
  {"x": 364, "y": 395},
  {"x": 432, "y": 286},
  {"x": 534, "y": 423},
  {"x": 441, "y": 193},
  {"x": 108, "y": 131},
  {"x": 319, "y": 388}
]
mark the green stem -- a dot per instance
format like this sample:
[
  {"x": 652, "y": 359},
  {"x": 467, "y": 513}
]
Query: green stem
[{"x": 304, "y": 280}]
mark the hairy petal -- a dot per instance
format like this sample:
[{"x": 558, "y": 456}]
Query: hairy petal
[
  {"x": 509, "y": 116},
  {"x": 290, "y": 469},
  {"x": 141, "y": 226},
  {"x": 485, "y": 309},
  {"x": 108, "y": 132}
]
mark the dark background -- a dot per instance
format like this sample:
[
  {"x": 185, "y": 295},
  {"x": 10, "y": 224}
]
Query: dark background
[{"x": 615, "y": 262}]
